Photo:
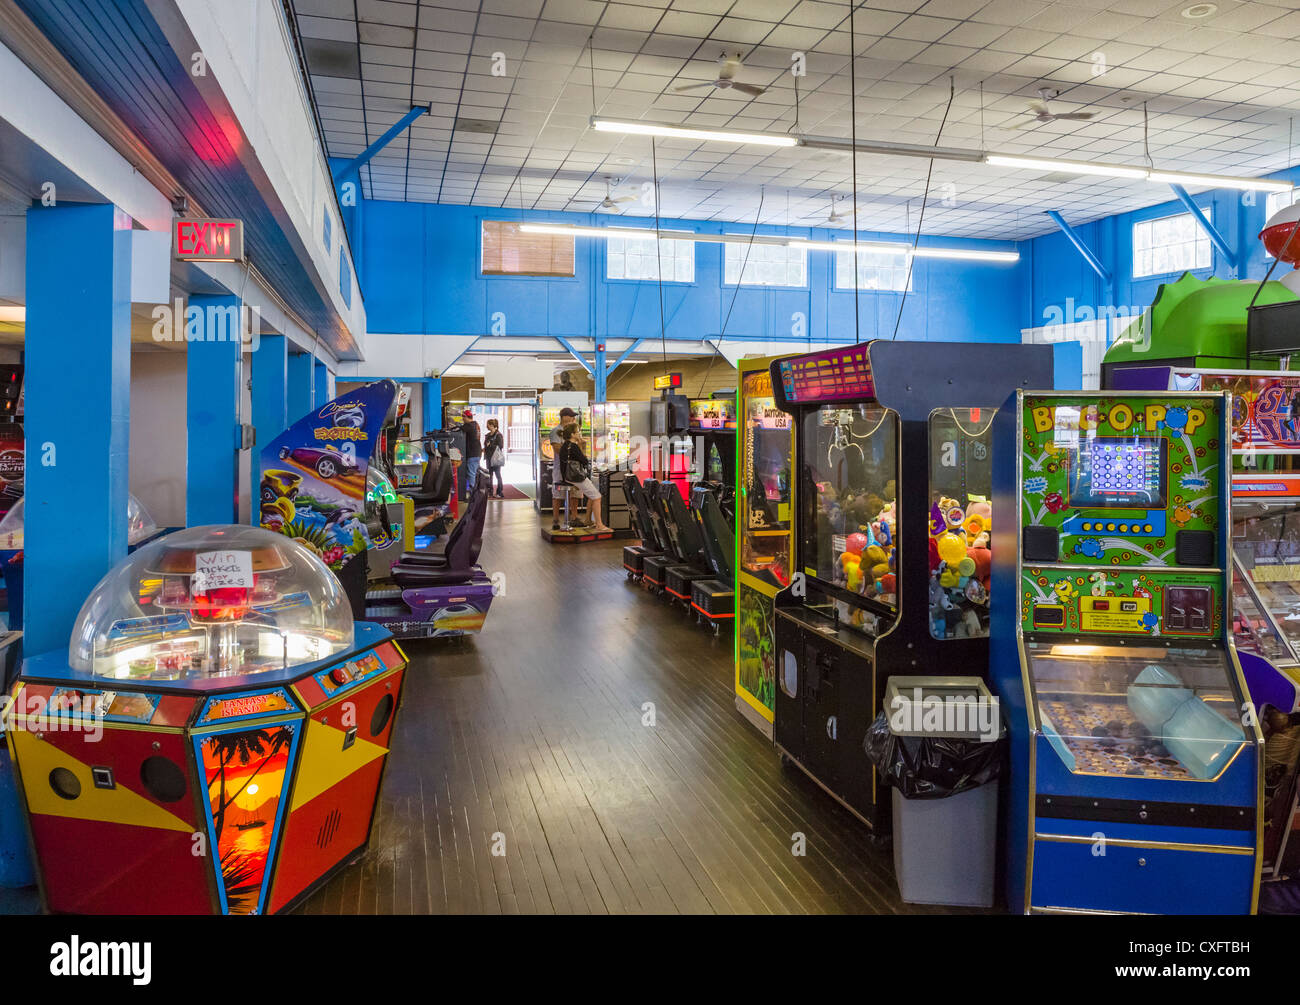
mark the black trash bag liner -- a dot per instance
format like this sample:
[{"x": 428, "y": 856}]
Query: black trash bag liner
[{"x": 931, "y": 767}]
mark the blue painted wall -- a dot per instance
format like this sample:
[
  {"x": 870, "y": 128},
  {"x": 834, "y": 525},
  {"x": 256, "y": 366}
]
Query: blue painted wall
[
  {"x": 420, "y": 274},
  {"x": 1057, "y": 273}
]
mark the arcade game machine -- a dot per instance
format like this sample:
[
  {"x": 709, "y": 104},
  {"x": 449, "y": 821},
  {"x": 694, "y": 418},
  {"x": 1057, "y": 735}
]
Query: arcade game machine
[
  {"x": 213, "y": 740},
  {"x": 548, "y": 417},
  {"x": 765, "y": 458},
  {"x": 324, "y": 482},
  {"x": 887, "y": 581},
  {"x": 1243, "y": 337},
  {"x": 612, "y": 447},
  {"x": 409, "y": 462},
  {"x": 713, "y": 428},
  {"x": 1118, "y": 678},
  {"x": 671, "y": 452}
]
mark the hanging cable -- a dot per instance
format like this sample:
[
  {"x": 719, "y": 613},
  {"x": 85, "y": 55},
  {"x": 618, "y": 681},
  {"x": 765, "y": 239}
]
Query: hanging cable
[
  {"x": 663, "y": 336},
  {"x": 920, "y": 221},
  {"x": 853, "y": 132}
]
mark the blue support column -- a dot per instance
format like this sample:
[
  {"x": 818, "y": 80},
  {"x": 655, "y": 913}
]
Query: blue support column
[
  {"x": 432, "y": 403},
  {"x": 213, "y": 332},
  {"x": 300, "y": 385},
  {"x": 78, "y": 415},
  {"x": 320, "y": 384},
  {"x": 270, "y": 388},
  {"x": 599, "y": 374}
]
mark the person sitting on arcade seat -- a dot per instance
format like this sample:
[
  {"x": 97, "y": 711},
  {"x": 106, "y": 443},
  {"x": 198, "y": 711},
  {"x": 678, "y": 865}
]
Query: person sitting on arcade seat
[
  {"x": 576, "y": 470},
  {"x": 567, "y": 415}
]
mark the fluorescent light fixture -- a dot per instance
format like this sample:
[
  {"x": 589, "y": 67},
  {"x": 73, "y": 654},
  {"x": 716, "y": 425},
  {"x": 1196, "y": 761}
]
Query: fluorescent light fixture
[
  {"x": 603, "y": 232},
  {"x": 13, "y": 315},
  {"x": 1219, "y": 181},
  {"x": 967, "y": 254},
  {"x": 1067, "y": 167},
  {"x": 691, "y": 133},
  {"x": 886, "y": 248}
]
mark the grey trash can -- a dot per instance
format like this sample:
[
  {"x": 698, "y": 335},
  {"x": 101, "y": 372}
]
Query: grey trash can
[{"x": 944, "y": 838}]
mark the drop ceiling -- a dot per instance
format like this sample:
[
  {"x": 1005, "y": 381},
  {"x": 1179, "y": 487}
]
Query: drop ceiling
[{"x": 1220, "y": 92}]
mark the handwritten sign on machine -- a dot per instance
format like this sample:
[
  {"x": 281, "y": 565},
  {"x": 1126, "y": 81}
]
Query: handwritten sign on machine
[{"x": 220, "y": 570}]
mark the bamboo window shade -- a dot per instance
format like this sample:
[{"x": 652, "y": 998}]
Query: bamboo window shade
[{"x": 507, "y": 251}]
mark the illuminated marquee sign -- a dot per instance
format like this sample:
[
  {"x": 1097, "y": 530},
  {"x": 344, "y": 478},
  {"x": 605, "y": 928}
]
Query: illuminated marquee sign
[
  {"x": 204, "y": 239},
  {"x": 667, "y": 381}
]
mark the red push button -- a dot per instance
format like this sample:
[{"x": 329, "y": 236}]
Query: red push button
[{"x": 340, "y": 675}]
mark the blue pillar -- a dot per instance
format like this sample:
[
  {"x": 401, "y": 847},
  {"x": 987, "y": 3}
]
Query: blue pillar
[
  {"x": 213, "y": 332},
  {"x": 320, "y": 384},
  {"x": 78, "y": 415},
  {"x": 300, "y": 383},
  {"x": 432, "y": 403},
  {"x": 270, "y": 388},
  {"x": 599, "y": 374}
]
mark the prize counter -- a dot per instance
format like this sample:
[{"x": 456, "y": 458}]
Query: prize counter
[{"x": 214, "y": 738}]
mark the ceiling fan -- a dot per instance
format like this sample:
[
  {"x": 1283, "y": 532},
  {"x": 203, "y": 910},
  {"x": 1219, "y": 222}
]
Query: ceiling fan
[
  {"x": 728, "y": 67},
  {"x": 1041, "y": 113},
  {"x": 836, "y": 216},
  {"x": 609, "y": 202}
]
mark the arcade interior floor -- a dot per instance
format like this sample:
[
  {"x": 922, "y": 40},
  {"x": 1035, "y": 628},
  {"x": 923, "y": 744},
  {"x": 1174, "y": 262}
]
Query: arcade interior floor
[{"x": 544, "y": 745}]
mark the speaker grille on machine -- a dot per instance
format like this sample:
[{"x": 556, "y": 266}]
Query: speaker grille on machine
[{"x": 328, "y": 829}]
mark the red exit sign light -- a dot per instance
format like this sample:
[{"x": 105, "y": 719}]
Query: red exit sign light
[{"x": 204, "y": 239}]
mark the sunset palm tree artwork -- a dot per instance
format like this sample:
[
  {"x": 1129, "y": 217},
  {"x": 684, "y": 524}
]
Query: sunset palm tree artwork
[{"x": 246, "y": 772}]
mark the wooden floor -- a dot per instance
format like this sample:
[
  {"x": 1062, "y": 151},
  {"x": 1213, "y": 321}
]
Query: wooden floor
[{"x": 529, "y": 735}]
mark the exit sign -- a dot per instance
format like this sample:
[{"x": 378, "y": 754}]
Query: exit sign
[{"x": 203, "y": 239}]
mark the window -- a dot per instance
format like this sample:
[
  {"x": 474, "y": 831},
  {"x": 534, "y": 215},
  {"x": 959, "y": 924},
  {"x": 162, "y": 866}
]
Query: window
[
  {"x": 766, "y": 265},
  {"x": 507, "y": 251},
  {"x": 876, "y": 271},
  {"x": 328, "y": 232},
  {"x": 637, "y": 258},
  {"x": 1170, "y": 244}
]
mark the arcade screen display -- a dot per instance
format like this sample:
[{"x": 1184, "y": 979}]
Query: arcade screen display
[
  {"x": 848, "y": 486},
  {"x": 1113, "y": 472},
  {"x": 1148, "y": 712}
]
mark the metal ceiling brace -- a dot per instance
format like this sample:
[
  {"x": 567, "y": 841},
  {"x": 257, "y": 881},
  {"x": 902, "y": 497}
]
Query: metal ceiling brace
[
  {"x": 1215, "y": 237},
  {"x": 1081, "y": 248},
  {"x": 575, "y": 354},
  {"x": 355, "y": 165}
]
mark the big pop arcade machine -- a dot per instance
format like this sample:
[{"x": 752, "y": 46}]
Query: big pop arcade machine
[
  {"x": 1135, "y": 767},
  {"x": 894, "y": 448},
  {"x": 214, "y": 738}
]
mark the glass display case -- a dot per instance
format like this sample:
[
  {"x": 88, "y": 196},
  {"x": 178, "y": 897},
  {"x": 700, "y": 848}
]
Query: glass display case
[
  {"x": 765, "y": 482},
  {"x": 848, "y": 489},
  {"x": 1266, "y": 583},
  {"x": 1148, "y": 712},
  {"x": 961, "y": 521},
  {"x": 211, "y": 602}
]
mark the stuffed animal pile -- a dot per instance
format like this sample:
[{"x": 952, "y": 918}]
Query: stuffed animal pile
[{"x": 960, "y": 566}]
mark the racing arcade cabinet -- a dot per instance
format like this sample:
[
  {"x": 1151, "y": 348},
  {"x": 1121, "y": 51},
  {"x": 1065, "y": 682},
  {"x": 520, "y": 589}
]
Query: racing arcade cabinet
[{"x": 888, "y": 567}]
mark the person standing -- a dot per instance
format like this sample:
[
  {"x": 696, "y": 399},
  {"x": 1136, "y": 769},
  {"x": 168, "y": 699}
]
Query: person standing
[
  {"x": 473, "y": 452},
  {"x": 556, "y": 438},
  {"x": 494, "y": 454}
]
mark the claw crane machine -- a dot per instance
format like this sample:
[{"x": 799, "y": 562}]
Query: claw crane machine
[
  {"x": 1136, "y": 760},
  {"x": 893, "y": 444}
]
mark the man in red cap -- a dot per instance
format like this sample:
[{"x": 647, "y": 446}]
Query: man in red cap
[{"x": 473, "y": 451}]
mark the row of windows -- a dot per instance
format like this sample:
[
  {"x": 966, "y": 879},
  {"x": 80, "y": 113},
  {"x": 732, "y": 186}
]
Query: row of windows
[
  {"x": 506, "y": 251},
  {"x": 1165, "y": 246}
]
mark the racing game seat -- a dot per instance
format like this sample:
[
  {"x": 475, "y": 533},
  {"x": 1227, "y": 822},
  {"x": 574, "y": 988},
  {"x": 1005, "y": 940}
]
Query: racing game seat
[
  {"x": 634, "y": 555},
  {"x": 435, "y": 485},
  {"x": 714, "y": 598},
  {"x": 688, "y": 545},
  {"x": 458, "y": 565},
  {"x": 438, "y": 559}
]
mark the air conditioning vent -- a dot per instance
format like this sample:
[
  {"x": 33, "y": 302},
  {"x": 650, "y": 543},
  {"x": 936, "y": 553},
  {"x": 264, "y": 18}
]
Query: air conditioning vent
[{"x": 485, "y": 126}]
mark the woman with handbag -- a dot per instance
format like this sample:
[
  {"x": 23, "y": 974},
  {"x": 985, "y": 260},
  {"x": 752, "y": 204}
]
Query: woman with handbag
[
  {"x": 576, "y": 470},
  {"x": 494, "y": 452}
]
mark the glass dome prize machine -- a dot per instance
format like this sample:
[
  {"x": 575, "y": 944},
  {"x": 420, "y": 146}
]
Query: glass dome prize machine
[
  {"x": 892, "y": 538},
  {"x": 214, "y": 739},
  {"x": 1135, "y": 772}
]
